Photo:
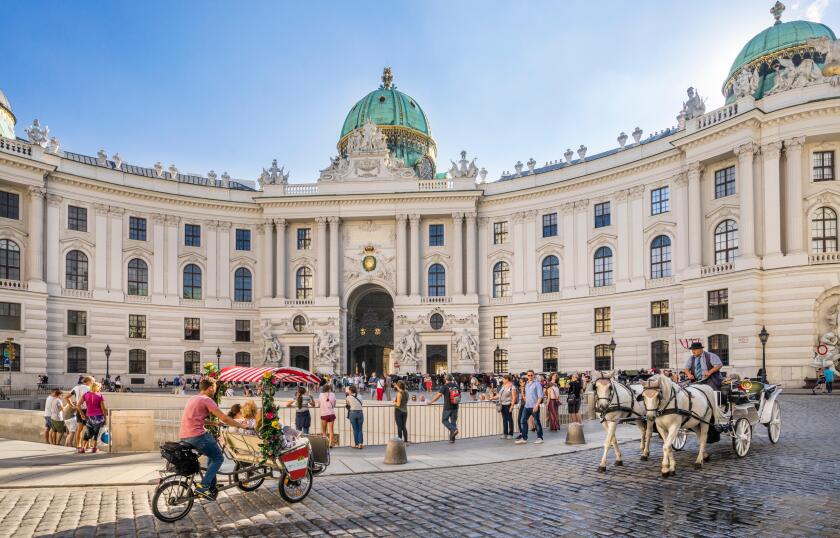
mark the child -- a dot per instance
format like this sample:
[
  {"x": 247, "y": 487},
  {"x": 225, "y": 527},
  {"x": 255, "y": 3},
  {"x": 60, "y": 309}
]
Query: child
[{"x": 249, "y": 417}]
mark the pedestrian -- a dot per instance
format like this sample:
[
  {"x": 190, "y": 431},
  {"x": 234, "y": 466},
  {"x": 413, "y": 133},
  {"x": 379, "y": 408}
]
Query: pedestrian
[
  {"x": 534, "y": 396},
  {"x": 401, "y": 411},
  {"x": 118, "y": 384},
  {"x": 427, "y": 383},
  {"x": 506, "y": 399},
  {"x": 451, "y": 394},
  {"x": 302, "y": 402},
  {"x": 326, "y": 401},
  {"x": 229, "y": 391},
  {"x": 474, "y": 388},
  {"x": 94, "y": 415},
  {"x": 75, "y": 398},
  {"x": 57, "y": 428},
  {"x": 573, "y": 399},
  {"x": 379, "y": 383},
  {"x": 520, "y": 390},
  {"x": 829, "y": 379},
  {"x": 356, "y": 416},
  {"x": 176, "y": 384},
  {"x": 552, "y": 405},
  {"x": 48, "y": 417}
]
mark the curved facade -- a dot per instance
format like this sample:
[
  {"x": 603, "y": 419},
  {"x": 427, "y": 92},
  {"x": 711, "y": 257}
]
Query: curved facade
[{"x": 708, "y": 231}]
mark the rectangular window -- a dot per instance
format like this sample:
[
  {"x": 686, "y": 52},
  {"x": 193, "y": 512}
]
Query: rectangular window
[
  {"x": 192, "y": 329},
  {"x": 10, "y": 316},
  {"x": 136, "y": 361},
  {"x": 500, "y": 327},
  {"x": 603, "y": 319},
  {"x": 500, "y": 361},
  {"x": 718, "y": 304},
  {"x": 500, "y": 233},
  {"x": 77, "y": 323},
  {"x": 136, "y": 326},
  {"x": 660, "y": 201},
  {"x": 549, "y": 324},
  {"x": 137, "y": 228},
  {"x": 823, "y": 166},
  {"x": 658, "y": 314},
  {"x": 550, "y": 359},
  {"x": 77, "y": 218},
  {"x": 725, "y": 182},
  {"x": 9, "y": 205},
  {"x": 550, "y": 225},
  {"x": 304, "y": 238},
  {"x": 243, "y": 330},
  {"x": 435, "y": 235},
  {"x": 192, "y": 235},
  {"x": 602, "y": 214},
  {"x": 243, "y": 239}
]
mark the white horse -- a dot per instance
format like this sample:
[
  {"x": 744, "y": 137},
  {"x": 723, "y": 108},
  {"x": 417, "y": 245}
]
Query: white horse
[
  {"x": 673, "y": 407},
  {"x": 616, "y": 403}
]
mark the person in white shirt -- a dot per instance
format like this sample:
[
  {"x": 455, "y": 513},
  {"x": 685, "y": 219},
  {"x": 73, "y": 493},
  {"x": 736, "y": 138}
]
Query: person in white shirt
[
  {"x": 229, "y": 392},
  {"x": 57, "y": 428},
  {"x": 47, "y": 419}
]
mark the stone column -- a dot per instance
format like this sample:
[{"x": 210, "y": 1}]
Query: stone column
[
  {"x": 457, "y": 254},
  {"x": 472, "y": 256},
  {"x": 518, "y": 267},
  {"x": 36, "y": 234},
  {"x": 695, "y": 216},
  {"x": 624, "y": 223},
  {"x": 637, "y": 247},
  {"x": 100, "y": 264},
  {"x": 321, "y": 274},
  {"x": 532, "y": 266},
  {"x": 581, "y": 244},
  {"x": 484, "y": 269},
  {"x": 414, "y": 254},
  {"x": 159, "y": 254},
  {"x": 335, "y": 255},
  {"x": 746, "y": 197},
  {"x": 402, "y": 256},
  {"x": 567, "y": 212},
  {"x": 280, "y": 258},
  {"x": 212, "y": 257},
  {"x": 223, "y": 265},
  {"x": 793, "y": 209},
  {"x": 772, "y": 199},
  {"x": 267, "y": 257},
  {"x": 116, "y": 250},
  {"x": 53, "y": 250},
  {"x": 681, "y": 216},
  {"x": 172, "y": 272}
]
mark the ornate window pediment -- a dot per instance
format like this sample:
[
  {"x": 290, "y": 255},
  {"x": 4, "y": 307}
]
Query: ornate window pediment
[
  {"x": 723, "y": 211},
  {"x": 80, "y": 243},
  {"x": 828, "y": 196},
  {"x": 550, "y": 247},
  {"x": 10, "y": 232},
  {"x": 602, "y": 237},
  {"x": 137, "y": 252},
  {"x": 659, "y": 227}
]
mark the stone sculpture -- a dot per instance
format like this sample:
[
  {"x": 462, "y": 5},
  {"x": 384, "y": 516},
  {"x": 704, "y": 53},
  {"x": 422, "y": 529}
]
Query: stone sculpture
[
  {"x": 466, "y": 168},
  {"x": 694, "y": 107},
  {"x": 326, "y": 349},
  {"x": 467, "y": 347},
  {"x": 53, "y": 146},
  {"x": 746, "y": 83},
  {"x": 158, "y": 169},
  {"x": 408, "y": 348},
  {"x": 37, "y": 134},
  {"x": 830, "y": 48},
  {"x": 790, "y": 76},
  {"x": 272, "y": 350},
  {"x": 274, "y": 175}
]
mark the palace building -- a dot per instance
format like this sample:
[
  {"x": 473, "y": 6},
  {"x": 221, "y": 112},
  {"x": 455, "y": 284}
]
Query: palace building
[{"x": 394, "y": 261}]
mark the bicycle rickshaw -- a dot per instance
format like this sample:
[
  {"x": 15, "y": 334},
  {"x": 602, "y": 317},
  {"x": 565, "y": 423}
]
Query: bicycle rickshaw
[{"x": 295, "y": 465}]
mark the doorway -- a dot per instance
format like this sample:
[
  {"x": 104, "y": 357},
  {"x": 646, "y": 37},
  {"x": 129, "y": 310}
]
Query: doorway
[
  {"x": 299, "y": 356},
  {"x": 436, "y": 358},
  {"x": 370, "y": 330}
]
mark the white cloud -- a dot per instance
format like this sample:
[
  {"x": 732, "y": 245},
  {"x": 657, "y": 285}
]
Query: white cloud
[{"x": 815, "y": 10}]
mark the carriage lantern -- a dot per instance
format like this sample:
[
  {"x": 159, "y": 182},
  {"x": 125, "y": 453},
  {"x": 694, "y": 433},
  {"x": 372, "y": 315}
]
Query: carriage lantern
[
  {"x": 763, "y": 336},
  {"x": 612, "y": 353},
  {"x": 218, "y": 358}
]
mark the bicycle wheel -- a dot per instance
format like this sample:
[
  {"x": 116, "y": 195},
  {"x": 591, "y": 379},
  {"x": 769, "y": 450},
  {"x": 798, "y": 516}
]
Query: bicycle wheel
[
  {"x": 295, "y": 490},
  {"x": 243, "y": 481},
  {"x": 172, "y": 500}
]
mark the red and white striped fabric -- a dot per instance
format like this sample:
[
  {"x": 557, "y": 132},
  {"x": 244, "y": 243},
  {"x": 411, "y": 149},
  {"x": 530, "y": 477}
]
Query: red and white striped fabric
[{"x": 246, "y": 374}]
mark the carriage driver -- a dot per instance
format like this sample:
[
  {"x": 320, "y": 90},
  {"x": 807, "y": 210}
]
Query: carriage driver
[{"x": 703, "y": 367}]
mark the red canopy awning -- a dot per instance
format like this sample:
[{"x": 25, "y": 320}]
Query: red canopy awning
[{"x": 247, "y": 374}]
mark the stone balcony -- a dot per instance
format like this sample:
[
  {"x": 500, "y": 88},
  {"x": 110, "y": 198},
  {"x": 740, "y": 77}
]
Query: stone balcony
[
  {"x": 79, "y": 294},
  {"x": 16, "y": 147},
  {"x": 435, "y": 300},
  {"x": 823, "y": 257},
  {"x": 719, "y": 269},
  {"x": 299, "y": 302},
  {"x": 601, "y": 290},
  {"x": 658, "y": 282},
  {"x": 190, "y": 302},
  {"x": 500, "y": 300},
  {"x": 435, "y": 185},
  {"x": 138, "y": 299},
  {"x": 243, "y": 305},
  {"x": 553, "y": 296},
  {"x": 8, "y": 284}
]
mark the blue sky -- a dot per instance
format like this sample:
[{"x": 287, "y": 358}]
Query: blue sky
[{"x": 230, "y": 85}]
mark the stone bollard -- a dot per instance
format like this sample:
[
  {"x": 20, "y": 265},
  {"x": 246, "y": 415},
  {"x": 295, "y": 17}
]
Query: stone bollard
[
  {"x": 395, "y": 452},
  {"x": 574, "y": 435}
]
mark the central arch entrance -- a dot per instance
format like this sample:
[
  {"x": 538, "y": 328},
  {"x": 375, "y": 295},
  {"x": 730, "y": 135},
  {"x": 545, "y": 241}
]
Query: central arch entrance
[{"x": 370, "y": 330}]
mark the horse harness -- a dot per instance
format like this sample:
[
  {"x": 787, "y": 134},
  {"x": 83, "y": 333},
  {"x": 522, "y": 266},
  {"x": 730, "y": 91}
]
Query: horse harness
[
  {"x": 686, "y": 414},
  {"x": 617, "y": 406}
]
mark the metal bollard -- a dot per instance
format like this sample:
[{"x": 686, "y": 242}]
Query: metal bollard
[{"x": 574, "y": 435}]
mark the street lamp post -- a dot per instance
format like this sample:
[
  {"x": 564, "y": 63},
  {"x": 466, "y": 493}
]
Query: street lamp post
[
  {"x": 218, "y": 358},
  {"x": 496, "y": 355},
  {"x": 763, "y": 336},
  {"x": 612, "y": 354},
  {"x": 108, "y": 363}
]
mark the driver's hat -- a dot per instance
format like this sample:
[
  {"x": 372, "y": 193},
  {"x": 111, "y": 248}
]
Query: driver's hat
[{"x": 696, "y": 345}]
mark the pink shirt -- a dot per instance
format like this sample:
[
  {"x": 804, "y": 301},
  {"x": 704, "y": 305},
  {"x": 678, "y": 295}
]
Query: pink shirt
[
  {"x": 93, "y": 401},
  {"x": 326, "y": 401},
  {"x": 195, "y": 412}
]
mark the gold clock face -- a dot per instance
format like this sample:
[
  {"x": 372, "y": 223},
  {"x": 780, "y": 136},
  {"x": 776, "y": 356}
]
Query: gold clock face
[{"x": 369, "y": 263}]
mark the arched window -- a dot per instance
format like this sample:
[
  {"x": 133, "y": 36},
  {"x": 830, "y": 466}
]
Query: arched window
[
  {"x": 437, "y": 280},
  {"x": 243, "y": 358},
  {"x": 9, "y": 260},
  {"x": 659, "y": 357},
  {"x": 550, "y": 356},
  {"x": 76, "y": 360},
  {"x": 603, "y": 358},
  {"x": 501, "y": 279},
  {"x": 823, "y": 230},
  {"x": 719, "y": 345},
  {"x": 192, "y": 281},
  {"x": 76, "y": 271},
  {"x": 726, "y": 241},
  {"x": 603, "y": 267},
  {"x": 136, "y": 361},
  {"x": 550, "y": 274},
  {"x": 242, "y": 286},
  {"x": 303, "y": 283},
  {"x": 192, "y": 362},
  {"x": 660, "y": 257},
  {"x": 138, "y": 277},
  {"x": 500, "y": 361}
]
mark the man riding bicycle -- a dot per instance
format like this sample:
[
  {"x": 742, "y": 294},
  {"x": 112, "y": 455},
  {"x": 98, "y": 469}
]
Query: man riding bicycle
[{"x": 193, "y": 432}]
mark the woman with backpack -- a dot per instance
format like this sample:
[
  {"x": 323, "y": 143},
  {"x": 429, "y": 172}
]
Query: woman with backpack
[
  {"x": 356, "y": 416},
  {"x": 451, "y": 394}
]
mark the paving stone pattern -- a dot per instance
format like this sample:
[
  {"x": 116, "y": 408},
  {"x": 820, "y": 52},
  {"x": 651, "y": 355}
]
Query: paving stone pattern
[{"x": 790, "y": 489}]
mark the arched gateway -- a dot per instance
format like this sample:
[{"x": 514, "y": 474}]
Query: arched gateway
[{"x": 370, "y": 330}]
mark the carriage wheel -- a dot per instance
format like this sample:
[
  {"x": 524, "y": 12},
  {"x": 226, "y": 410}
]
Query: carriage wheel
[
  {"x": 680, "y": 440},
  {"x": 172, "y": 500},
  {"x": 774, "y": 427},
  {"x": 742, "y": 437},
  {"x": 295, "y": 490},
  {"x": 243, "y": 481}
]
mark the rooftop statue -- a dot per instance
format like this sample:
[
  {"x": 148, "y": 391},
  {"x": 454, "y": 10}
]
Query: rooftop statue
[
  {"x": 274, "y": 175},
  {"x": 790, "y": 76},
  {"x": 466, "y": 168},
  {"x": 746, "y": 83},
  {"x": 694, "y": 107},
  {"x": 38, "y": 135},
  {"x": 831, "y": 49}
]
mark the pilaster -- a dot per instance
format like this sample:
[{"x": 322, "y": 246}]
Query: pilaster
[
  {"x": 457, "y": 254},
  {"x": 471, "y": 253},
  {"x": 35, "y": 263},
  {"x": 321, "y": 271},
  {"x": 772, "y": 203},
  {"x": 335, "y": 256}
]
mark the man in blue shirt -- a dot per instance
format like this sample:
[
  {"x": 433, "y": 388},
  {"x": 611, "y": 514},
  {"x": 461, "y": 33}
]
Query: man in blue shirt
[
  {"x": 829, "y": 379},
  {"x": 533, "y": 398},
  {"x": 703, "y": 367}
]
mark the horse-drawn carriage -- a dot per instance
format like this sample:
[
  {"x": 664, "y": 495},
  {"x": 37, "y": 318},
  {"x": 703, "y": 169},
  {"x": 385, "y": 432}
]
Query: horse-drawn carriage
[{"x": 294, "y": 464}]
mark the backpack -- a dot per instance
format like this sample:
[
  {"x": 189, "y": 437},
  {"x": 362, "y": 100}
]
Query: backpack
[{"x": 454, "y": 395}]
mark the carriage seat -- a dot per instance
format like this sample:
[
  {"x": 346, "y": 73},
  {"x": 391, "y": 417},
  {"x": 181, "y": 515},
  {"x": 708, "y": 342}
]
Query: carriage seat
[{"x": 244, "y": 447}]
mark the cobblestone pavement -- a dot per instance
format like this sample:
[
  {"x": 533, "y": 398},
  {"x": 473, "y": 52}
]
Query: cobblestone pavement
[{"x": 789, "y": 489}]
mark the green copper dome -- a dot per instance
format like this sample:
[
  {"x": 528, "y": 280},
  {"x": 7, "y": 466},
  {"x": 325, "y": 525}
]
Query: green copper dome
[{"x": 7, "y": 117}]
